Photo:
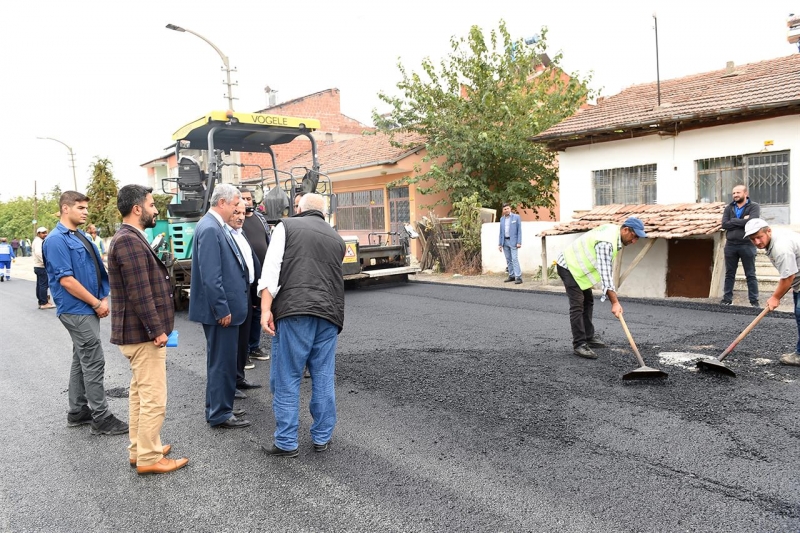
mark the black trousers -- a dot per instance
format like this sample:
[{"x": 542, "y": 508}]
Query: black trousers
[
  {"x": 747, "y": 253},
  {"x": 581, "y": 306},
  {"x": 243, "y": 346},
  {"x": 41, "y": 284}
]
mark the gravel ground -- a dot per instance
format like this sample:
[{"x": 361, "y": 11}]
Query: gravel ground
[{"x": 460, "y": 409}]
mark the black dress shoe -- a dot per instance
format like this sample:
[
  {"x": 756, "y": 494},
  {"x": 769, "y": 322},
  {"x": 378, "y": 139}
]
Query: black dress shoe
[
  {"x": 322, "y": 447},
  {"x": 509, "y": 279},
  {"x": 239, "y": 395},
  {"x": 233, "y": 423},
  {"x": 244, "y": 384},
  {"x": 274, "y": 451},
  {"x": 239, "y": 412},
  {"x": 584, "y": 351},
  {"x": 518, "y": 281}
]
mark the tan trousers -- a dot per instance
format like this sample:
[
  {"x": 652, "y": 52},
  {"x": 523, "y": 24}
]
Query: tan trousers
[{"x": 147, "y": 400}]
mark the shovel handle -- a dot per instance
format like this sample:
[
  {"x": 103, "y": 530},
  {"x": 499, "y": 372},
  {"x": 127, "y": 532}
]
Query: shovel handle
[
  {"x": 630, "y": 339},
  {"x": 743, "y": 334}
]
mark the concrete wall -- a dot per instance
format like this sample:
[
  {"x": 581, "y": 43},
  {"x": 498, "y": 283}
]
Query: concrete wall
[
  {"x": 647, "y": 280},
  {"x": 675, "y": 157}
]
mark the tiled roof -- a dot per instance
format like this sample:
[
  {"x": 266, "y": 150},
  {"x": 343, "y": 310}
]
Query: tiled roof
[
  {"x": 359, "y": 152},
  {"x": 754, "y": 87},
  {"x": 671, "y": 221}
]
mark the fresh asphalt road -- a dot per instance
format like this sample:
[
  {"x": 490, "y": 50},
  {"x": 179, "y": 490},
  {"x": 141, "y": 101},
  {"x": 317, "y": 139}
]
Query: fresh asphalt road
[{"x": 460, "y": 409}]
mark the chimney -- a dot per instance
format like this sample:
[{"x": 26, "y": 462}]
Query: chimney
[
  {"x": 328, "y": 138},
  {"x": 729, "y": 68},
  {"x": 271, "y": 98}
]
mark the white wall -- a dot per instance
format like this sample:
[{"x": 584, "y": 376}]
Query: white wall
[
  {"x": 649, "y": 278},
  {"x": 675, "y": 157},
  {"x": 530, "y": 255}
]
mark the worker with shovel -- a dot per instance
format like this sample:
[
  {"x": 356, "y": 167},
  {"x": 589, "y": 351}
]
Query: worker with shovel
[
  {"x": 783, "y": 249},
  {"x": 586, "y": 262}
]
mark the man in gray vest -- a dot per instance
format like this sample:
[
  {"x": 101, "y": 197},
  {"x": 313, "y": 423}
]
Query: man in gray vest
[{"x": 302, "y": 307}]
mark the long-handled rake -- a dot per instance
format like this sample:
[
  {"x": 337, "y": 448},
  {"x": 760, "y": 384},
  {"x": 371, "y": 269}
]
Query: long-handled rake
[
  {"x": 715, "y": 365},
  {"x": 644, "y": 371}
]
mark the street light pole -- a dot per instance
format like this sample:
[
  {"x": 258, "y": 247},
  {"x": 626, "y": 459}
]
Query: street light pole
[
  {"x": 226, "y": 64},
  {"x": 71, "y": 158}
]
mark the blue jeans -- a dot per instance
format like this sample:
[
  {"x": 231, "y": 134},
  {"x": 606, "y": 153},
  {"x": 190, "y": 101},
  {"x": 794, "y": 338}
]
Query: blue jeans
[
  {"x": 797, "y": 318},
  {"x": 299, "y": 341},
  {"x": 512, "y": 260}
]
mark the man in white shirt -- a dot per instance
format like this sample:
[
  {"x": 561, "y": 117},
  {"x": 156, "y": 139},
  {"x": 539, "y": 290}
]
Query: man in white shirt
[
  {"x": 40, "y": 271},
  {"x": 783, "y": 249},
  {"x": 234, "y": 225}
]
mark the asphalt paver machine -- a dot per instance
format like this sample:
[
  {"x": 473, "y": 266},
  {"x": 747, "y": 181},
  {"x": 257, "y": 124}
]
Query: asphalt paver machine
[{"x": 200, "y": 149}]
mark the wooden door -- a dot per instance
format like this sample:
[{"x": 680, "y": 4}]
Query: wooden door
[{"x": 689, "y": 265}]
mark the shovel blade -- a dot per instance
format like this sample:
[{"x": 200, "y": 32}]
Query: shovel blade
[
  {"x": 712, "y": 365},
  {"x": 645, "y": 372}
]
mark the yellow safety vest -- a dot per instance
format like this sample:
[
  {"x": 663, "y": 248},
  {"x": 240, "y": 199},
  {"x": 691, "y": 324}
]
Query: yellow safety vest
[{"x": 581, "y": 255}]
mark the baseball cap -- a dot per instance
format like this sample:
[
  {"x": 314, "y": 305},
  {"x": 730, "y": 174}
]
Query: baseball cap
[
  {"x": 41, "y": 229},
  {"x": 754, "y": 225},
  {"x": 636, "y": 225}
]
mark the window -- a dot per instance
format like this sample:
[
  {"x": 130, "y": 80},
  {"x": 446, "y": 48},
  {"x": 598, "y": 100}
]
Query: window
[
  {"x": 360, "y": 210},
  {"x": 766, "y": 175},
  {"x": 631, "y": 185}
]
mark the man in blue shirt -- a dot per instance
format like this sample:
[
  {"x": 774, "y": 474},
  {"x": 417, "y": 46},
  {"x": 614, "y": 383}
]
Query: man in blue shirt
[{"x": 79, "y": 285}]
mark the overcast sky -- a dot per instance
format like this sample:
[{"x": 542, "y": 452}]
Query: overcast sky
[{"x": 109, "y": 80}]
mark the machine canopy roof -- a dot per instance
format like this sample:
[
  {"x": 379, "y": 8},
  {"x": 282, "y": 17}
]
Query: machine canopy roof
[{"x": 244, "y": 132}]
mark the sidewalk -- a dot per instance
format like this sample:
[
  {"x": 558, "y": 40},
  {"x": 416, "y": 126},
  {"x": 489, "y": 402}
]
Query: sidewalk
[{"x": 496, "y": 281}]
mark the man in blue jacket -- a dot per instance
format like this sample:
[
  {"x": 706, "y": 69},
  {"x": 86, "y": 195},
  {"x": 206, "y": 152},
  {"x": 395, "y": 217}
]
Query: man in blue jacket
[
  {"x": 79, "y": 285},
  {"x": 510, "y": 242},
  {"x": 6, "y": 257}
]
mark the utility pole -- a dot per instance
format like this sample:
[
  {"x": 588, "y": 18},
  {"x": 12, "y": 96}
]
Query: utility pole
[
  {"x": 71, "y": 158},
  {"x": 658, "y": 75}
]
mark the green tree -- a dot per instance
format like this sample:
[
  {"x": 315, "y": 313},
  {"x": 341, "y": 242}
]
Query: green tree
[
  {"x": 162, "y": 201},
  {"x": 102, "y": 193},
  {"x": 17, "y": 216},
  {"x": 476, "y": 111}
]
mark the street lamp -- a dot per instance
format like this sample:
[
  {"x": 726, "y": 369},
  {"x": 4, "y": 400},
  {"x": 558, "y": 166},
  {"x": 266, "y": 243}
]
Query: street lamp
[
  {"x": 71, "y": 157},
  {"x": 226, "y": 64}
]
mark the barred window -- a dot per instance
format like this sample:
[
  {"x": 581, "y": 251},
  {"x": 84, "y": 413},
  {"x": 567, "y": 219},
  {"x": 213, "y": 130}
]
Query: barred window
[
  {"x": 765, "y": 175},
  {"x": 360, "y": 210},
  {"x": 631, "y": 185}
]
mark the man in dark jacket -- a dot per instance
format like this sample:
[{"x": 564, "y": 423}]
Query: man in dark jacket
[
  {"x": 737, "y": 247},
  {"x": 302, "y": 307},
  {"x": 142, "y": 316}
]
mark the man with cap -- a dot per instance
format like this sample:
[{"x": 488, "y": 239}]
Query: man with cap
[
  {"x": 7, "y": 255},
  {"x": 586, "y": 262},
  {"x": 783, "y": 249},
  {"x": 39, "y": 270}
]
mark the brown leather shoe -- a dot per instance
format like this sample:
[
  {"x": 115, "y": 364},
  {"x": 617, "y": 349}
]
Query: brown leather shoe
[
  {"x": 165, "y": 450},
  {"x": 163, "y": 466}
]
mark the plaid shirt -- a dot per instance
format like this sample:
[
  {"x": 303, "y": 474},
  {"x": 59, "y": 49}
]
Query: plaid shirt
[{"x": 605, "y": 267}]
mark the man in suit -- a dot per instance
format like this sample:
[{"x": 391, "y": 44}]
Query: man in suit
[
  {"x": 218, "y": 300},
  {"x": 142, "y": 316},
  {"x": 510, "y": 242},
  {"x": 254, "y": 271}
]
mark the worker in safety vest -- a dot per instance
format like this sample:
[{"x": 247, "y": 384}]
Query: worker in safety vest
[{"x": 587, "y": 261}]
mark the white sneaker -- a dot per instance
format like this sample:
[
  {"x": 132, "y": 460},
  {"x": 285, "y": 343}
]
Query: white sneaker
[{"x": 792, "y": 359}]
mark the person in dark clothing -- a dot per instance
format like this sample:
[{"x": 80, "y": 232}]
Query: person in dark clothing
[
  {"x": 737, "y": 246},
  {"x": 256, "y": 230}
]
